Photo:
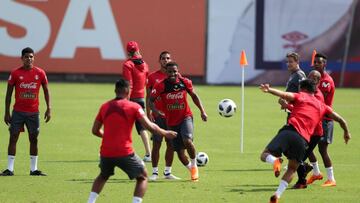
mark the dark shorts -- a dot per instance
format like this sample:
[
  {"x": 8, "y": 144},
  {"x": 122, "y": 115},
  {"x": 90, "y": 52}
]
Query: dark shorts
[
  {"x": 288, "y": 142},
  {"x": 328, "y": 128},
  {"x": 141, "y": 102},
  {"x": 161, "y": 122},
  {"x": 132, "y": 165},
  {"x": 185, "y": 131},
  {"x": 314, "y": 140},
  {"x": 30, "y": 120}
]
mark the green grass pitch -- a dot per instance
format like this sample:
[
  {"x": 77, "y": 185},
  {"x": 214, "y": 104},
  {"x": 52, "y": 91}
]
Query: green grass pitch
[{"x": 69, "y": 153}]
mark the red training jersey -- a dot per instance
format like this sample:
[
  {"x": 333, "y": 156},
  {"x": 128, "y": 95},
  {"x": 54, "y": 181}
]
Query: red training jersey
[
  {"x": 118, "y": 117},
  {"x": 319, "y": 130},
  {"x": 27, "y": 84},
  {"x": 135, "y": 70},
  {"x": 307, "y": 114},
  {"x": 173, "y": 97},
  {"x": 153, "y": 78},
  {"x": 327, "y": 87}
]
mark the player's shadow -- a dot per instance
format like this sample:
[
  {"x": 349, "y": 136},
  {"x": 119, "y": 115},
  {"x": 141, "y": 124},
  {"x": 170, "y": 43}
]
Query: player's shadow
[
  {"x": 91, "y": 180},
  {"x": 241, "y": 189},
  {"x": 71, "y": 161}
]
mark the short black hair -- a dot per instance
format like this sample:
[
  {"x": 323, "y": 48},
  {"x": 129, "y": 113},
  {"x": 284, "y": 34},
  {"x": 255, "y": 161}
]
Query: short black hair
[
  {"x": 318, "y": 55},
  {"x": 122, "y": 84},
  {"x": 308, "y": 85},
  {"x": 172, "y": 63},
  {"x": 163, "y": 53},
  {"x": 26, "y": 50}
]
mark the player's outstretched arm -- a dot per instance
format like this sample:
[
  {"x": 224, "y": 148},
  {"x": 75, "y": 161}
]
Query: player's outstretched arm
[
  {"x": 198, "y": 103},
  {"x": 343, "y": 125},
  {"x": 9, "y": 91},
  {"x": 155, "y": 129},
  {"x": 288, "y": 96},
  {"x": 96, "y": 129}
]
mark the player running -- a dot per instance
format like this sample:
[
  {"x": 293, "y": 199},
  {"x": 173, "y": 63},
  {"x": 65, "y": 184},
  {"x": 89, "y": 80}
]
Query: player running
[
  {"x": 118, "y": 117},
  {"x": 173, "y": 93}
]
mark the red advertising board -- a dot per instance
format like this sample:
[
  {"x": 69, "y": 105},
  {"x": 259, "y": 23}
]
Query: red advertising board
[{"x": 87, "y": 36}]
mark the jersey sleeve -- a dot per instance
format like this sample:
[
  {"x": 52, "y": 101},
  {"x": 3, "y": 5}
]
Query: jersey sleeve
[
  {"x": 99, "y": 115},
  {"x": 328, "y": 109},
  {"x": 12, "y": 78},
  {"x": 188, "y": 84},
  {"x": 44, "y": 79},
  {"x": 157, "y": 89},
  {"x": 127, "y": 74}
]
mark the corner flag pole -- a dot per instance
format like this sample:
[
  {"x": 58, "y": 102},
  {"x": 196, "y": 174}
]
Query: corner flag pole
[{"x": 243, "y": 63}]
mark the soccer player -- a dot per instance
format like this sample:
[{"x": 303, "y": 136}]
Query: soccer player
[
  {"x": 292, "y": 140},
  {"x": 159, "y": 119},
  {"x": 327, "y": 87},
  {"x": 296, "y": 74},
  {"x": 27, "y": 81},
  {"x": 136, "y": 71},
  {"x": 118, "y": 117},
  {"x": 173, "y": 93}
]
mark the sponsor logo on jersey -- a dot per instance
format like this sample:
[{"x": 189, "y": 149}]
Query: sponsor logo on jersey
[
  {"x": 36, "y": 77},
  {"x": 31, "y": 85},
  {"x": 27, "y": 95},
  {"x": 178, "y": 95},
  {"x": 21, "y": 77},
  {"x": 175, "y": 106},
  {"x": 325, "y": 84}
]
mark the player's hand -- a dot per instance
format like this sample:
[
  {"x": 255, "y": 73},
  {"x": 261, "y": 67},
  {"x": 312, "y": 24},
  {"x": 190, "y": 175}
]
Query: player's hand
[
  {"x": 204, "y": 116},
  {"x": 150, "y": 117},
  {"x": 347, "y": 137},
  {"x": 170, "y": 134},
  {"x": 265, "y": 87},
  {"x": 47, "y": 115},
  {"x": 7, "y": 118},
  {"x": 283, "y": 103}
]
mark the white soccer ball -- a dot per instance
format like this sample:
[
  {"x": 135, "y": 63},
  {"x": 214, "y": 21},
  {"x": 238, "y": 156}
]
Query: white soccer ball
[
  {"x": 227, "y": 108},
  {"x": 202, "y": 159}
]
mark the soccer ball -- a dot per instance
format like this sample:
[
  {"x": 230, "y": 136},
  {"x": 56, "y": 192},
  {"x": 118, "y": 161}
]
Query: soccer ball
[
  {"x": 227, "y": 108},
  {"x": 201, "y": 159}
]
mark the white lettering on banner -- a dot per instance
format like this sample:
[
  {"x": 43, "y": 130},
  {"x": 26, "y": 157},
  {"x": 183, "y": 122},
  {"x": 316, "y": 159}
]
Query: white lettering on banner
[
  {"x": 31, "y": 85},
  {"x": 178, "y": 95},
  {"x": 35, "y": 23},
  {"x": 104, "y": 36}
]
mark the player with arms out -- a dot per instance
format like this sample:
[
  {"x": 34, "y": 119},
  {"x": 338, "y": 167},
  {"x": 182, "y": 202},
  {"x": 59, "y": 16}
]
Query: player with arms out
[
  {"x": 27, "y": 81},
  {"x": 136, "y": 71},
  {"x": 159, "y": 119},
  {"x": 293, "y": 139},
  {"x": 173, "y": 94},
  {"x": 118, "y": 116}
]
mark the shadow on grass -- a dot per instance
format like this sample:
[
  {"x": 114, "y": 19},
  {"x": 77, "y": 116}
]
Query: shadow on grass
[
  {"x": 72, "y": 161},
  {"x": 252, "y": 188},
  {"x": 244, "y": 170},
  {"x": 119, "y": 180}
]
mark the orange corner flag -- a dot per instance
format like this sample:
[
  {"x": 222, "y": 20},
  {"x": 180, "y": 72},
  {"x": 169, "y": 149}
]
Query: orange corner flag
[
  {"x": 243, "y": 60},
  {"x": 313, "y": 57}
]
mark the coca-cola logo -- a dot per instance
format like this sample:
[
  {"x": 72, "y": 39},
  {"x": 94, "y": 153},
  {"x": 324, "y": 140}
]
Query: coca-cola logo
[
  {"x": 178, "y": 95},
  {"x": 31, "y": 85}
]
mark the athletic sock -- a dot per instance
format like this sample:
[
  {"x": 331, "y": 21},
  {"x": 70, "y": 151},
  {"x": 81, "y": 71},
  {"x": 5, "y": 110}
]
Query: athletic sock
[
  {"x": 155, "y": 170},
  {"x": 167, "y": 170},
  {"x": 270, "y": 159},
  {"x": 92, "y": 197},
  {"x": 282, "y": 187},
  {"x": 33, "y": 163},
  {"x": 316, "y": 169},
  {"x": 188, "y": 166},
  {"x": 137, "y": 199},
  {"x": 330, "y": 173},
  {"x": 193, "y": 162},
  {"x": 11, "y": 160}
]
